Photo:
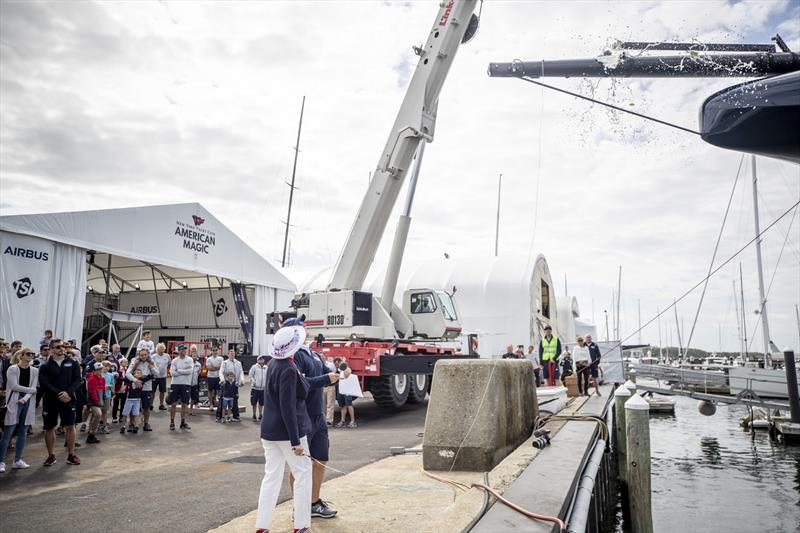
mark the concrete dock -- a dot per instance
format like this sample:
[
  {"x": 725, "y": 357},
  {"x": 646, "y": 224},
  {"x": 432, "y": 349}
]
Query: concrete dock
[{"x": 394, "y": 494}]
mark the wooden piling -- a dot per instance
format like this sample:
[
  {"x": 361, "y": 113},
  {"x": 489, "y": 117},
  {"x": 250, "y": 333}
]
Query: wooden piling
[
  {"x": 621, "y": 395},
  {"x": 637, "y": 429},
  {"x": 630, "y": 385}
]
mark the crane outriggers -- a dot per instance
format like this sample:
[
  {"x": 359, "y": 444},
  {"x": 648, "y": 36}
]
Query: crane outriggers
[{"x": 393, "y": 348}]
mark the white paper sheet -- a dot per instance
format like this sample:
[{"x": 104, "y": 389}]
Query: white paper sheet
[{"x": 350, "y": 386}]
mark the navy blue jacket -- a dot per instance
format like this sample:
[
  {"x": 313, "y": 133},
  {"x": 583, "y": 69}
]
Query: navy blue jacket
[
  {"x": 54, "y": 378},
  {"x": 594, "y": 353},
  {"x": 285, "y": 415},
  {"x": 316, "y": 374}
]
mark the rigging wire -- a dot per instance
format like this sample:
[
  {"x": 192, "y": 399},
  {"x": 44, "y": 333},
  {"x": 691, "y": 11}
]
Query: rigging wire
[
  {"x": 612, "y": 106},
  {"x": 772, "y": 279},
  {"x": 696, "y": 285},
  {"x": 714, "y": 255},
  {"x": 538, "y": 182}
]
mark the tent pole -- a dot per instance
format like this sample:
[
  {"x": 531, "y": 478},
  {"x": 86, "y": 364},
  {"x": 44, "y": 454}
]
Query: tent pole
[
  {"x": 108, "y": 283},
  {"x": 155, "y": 289}
]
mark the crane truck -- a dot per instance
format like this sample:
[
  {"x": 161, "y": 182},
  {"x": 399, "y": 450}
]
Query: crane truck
[{"x": 393, "y": 348}]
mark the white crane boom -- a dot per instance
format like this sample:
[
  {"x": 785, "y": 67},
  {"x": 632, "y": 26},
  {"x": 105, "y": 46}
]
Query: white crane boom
[{"x": 415, "y": 121}]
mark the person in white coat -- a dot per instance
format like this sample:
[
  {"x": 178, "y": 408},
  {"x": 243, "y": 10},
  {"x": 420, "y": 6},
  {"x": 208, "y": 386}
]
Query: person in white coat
[{"x": 22, "y": 380}]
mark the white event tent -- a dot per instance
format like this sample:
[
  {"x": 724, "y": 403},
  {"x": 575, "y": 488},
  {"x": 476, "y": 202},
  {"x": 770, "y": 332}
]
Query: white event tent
[{"x": 50, "y": 261}]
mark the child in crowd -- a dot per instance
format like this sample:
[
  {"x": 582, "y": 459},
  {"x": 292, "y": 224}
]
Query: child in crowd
[
  {"x": 133, "y": 403},
  {"x": 228, "y": 394},
  {"x": 345, "y": 401},
  {"x": 194, "y": 391},
  {"x": 120, "y": 390},
  {"x": 110, "y": 377},
  {"x": 566, "y": 367},
  {"x": 95, "y": 387}
]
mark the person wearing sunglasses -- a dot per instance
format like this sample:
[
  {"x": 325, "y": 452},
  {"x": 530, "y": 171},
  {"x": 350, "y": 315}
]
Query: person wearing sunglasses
[
  {"x": 21, "y": 387},
  {"x": 60, "y": 378}
]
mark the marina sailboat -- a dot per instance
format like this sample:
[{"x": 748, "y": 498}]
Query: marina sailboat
[{"x": 767, "y": 380}]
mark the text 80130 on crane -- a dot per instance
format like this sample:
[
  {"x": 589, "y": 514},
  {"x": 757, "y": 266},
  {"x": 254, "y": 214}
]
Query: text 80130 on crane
[{"x": 393, "y": 348}]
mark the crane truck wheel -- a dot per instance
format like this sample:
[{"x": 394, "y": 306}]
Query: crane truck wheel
[
  {"x": 391, "y": 392},
  {"x": 418, "y": 388}
]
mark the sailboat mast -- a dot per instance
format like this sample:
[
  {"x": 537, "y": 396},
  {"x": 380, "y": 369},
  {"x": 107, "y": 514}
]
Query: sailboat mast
[
  {"x": 660, "y": 344},
  {"x": 762, "y": 297},
  {"x": 291, "y": 185},
  {"x": 639, "y": 306},
  {"x": 619, "y": 297},
  {"x": 678, "y": 328},
  {"x": 744, "y": 315},
  {"x": 738, "y": 322}
]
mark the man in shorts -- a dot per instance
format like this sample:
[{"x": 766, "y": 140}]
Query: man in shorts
[
  {"x": 144, "y": 363},
  {"x": 181, "y": 369},
  {"x": 213, "y": 364},
  {"x": 318, "y": 375},
  {"x": 59, "y": 378}
]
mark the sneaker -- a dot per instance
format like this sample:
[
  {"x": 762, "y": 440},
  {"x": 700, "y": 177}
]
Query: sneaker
[
  {"x": 321, "y": 509},
  {"x": 105, "y": 430},
  {"x": 352, "y": 425},
  {"x": 122, "y": 430},
  {"x": 598, "y": 394},
  {"x": 83, "y": 428},
  {"x": 339, "y": 425},
  {"x": 135, "y": 430},
  {"x": 50, "y": 461},
  {"x": 237, "y": 420},
  {"x": 259, "y": 417},
  {"x": 2, "y": 468},
  {"x": 172, "y": 426},
  {"x": 147, "y": 427},
  {"x": 301, "y": 530},
  {"x": 329, "y": 424},
  {"x": 130, "y": 428},
  {"x": 222, "y": 421},
  {"x": 161, "y": 407},
  {"x": 114, "y": 420},
  {"x": 254, "y": 416},
  {"x": 91, "y": 439},
  {"x": 73, "y": 460},
  {"x": 19, "y": 464},
  {"x": 184, "y": 425},
  {"x": 218, "y": 420}
]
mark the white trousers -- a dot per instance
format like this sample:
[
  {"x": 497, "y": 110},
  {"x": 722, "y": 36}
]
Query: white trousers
[{"x": 277, "y": 454}]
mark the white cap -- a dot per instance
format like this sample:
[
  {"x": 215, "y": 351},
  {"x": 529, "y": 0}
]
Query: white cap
[
  {"x": 287, "y": 341},
  {"x": 637, "y": 403},
  {"x": 622, "y": 391},
  {"x": 630, "y": 385}
]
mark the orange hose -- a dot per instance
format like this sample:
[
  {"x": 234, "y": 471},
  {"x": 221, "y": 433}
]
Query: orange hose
[{"x": 519, "y": 509}]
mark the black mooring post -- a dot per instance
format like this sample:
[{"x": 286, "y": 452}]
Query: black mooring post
[{"x": 791, "y": 385}]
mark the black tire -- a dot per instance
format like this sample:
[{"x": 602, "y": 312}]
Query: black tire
[
  {"x": 391, "y": 392},
  {"x": 418, "y": 387}
]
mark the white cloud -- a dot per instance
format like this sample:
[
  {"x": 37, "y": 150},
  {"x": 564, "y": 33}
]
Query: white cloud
[{"x": 117, "y": 104}]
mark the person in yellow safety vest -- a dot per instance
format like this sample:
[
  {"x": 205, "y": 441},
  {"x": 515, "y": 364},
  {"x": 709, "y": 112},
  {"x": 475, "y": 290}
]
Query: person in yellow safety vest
[{"x": 549, "y": 350}]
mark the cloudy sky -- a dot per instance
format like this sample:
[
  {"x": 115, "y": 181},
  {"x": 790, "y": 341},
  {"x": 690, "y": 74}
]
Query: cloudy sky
[{"x": 116, "y": 104}]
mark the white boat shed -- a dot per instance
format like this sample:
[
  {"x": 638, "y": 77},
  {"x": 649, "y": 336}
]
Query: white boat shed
[{"x": 178, "y": 262}]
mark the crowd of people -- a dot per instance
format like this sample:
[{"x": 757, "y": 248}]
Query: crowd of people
[
  {"x": 552, "y": 361},
  {"x": 92, "y": 394}
]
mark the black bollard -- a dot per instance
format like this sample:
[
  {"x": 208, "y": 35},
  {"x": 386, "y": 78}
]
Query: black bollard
[{"x": 791, "y": 385}]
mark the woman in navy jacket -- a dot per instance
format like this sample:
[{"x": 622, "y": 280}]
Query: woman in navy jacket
[{"x": 283, "y": 432}]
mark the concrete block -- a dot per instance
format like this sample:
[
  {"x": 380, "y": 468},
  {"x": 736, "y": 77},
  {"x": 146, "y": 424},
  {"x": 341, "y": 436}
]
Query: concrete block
[{"x": 468, "y": 430}]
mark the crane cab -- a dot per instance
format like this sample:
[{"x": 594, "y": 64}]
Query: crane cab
[{"x": 432, "y": 312}]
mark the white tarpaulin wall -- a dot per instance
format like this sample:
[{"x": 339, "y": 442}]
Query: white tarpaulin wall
[
  {"x": 611, "y": 363},
  {"x": 39, "y": 294},
  {"x": 498, "y": 298},
  {"x": 42, "y": 286}
]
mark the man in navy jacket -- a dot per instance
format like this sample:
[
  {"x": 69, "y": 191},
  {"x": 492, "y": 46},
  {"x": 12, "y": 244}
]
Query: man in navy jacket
[
  {"x": 59, "y": 378},
  {"x": 317, "y": 375}
]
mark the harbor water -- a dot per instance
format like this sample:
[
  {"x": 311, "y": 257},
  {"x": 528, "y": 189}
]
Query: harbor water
[{"x": 710, "y": 475}]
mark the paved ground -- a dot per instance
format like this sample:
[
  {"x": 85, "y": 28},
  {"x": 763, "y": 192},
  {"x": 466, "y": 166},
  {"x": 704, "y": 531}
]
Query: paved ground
[{"x": 175, "y": 481}]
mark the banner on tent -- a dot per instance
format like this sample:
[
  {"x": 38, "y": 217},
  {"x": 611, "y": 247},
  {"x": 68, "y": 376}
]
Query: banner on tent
[
  {"x": 243, "y": 311},
  {"x": 26, "y": 267}
]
